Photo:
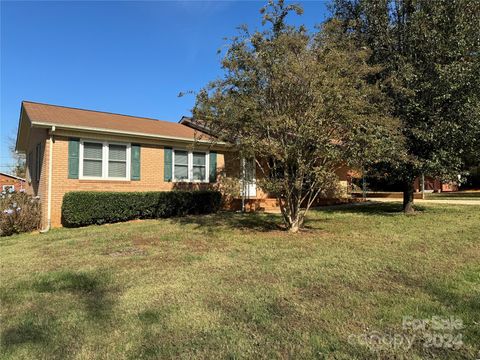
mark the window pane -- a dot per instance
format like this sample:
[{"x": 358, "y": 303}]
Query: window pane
[
  {"x": 199, "y": 158},
  {"x": 92, "y": 168},
  {"x": 117, "y": 152},
  {"x": 92, "y": 150},
  {"x": 199, "y": 173},
  {"x": 181, "y": 157},
  {"x": 181, "y": 172},
  {"x": 117, "y": 169}
]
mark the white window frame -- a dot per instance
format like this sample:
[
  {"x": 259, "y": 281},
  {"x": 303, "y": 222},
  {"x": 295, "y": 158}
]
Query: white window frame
[
  {"x": 105, "y": 145},
  {"x": 4, "y": 187},
  {"x": 190, "y": 166}
]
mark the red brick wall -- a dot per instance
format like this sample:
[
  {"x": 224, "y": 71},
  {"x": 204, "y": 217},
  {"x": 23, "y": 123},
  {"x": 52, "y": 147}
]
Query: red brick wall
[
  {"x": 151, "y": 174},
  {"x": 151, "y": 178},
  {"x": 7, "y": 180}
]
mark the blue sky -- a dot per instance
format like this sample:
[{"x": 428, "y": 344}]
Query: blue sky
[{"x": 124, "y": 57}]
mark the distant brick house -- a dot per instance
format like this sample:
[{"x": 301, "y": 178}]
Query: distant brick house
[
  {"x": 70, "y": 149},
  {"x": 434, "y": 185},
  {"x": 10, "y": 182}
]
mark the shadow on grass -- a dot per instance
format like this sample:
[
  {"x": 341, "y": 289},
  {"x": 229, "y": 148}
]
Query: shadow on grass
[
  {"x": 92, "y": 288},
  {"x": 369, "y": 208},
  {"x": 262, "y": 222},
  {"x": 30, "y": 329},
  {"x": 39, "y": 333},
  {"x": 246, "y": 221},
  {"x": 41, "y": 325}
]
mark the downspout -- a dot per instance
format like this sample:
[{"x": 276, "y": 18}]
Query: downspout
[{"x": 50, "y": 171}]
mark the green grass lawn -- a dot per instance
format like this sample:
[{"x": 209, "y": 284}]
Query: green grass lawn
[
  {"x": 460, "y": 195},
  {"x": 234, "y": 286}
]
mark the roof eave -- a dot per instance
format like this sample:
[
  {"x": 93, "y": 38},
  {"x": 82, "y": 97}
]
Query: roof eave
[
  {"x": 12, "y": 176},
  {"x": 191, "y": 123},
  {"x": 125, "y": 133},
  {"x": 23, "y": 117}
]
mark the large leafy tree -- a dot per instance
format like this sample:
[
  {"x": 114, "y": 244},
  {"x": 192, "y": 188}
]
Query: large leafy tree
[
  {"x": 430, "y": 55},
  {"x": 300, "y": 105}
]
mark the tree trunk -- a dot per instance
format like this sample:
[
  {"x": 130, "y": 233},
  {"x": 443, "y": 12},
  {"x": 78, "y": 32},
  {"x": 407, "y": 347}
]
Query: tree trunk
[
  {"x": 293, "y": 217},
  {"x": 295, "y": 226},
  {"x": 408, "y": 193},
  {"x": 296, "y": 221}
]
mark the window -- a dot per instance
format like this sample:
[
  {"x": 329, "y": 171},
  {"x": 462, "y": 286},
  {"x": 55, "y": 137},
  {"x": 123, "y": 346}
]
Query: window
[
  {"x": 104, "y": 160},
  {"x": 199, "y": 166},
  {"x": 117, "y": 161},
  {"x": 190, "y": 166},
  {"x": 8, "y": 188},
  {"x": 181, "y": 165},
  {"x": 92, "y": 159},
  {"x": 38, "y": 161}
]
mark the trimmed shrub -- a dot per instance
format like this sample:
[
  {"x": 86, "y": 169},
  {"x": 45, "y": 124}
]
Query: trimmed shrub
[
  {"x": 20, "y": 212},
  {"x": 81, "y": 208}
]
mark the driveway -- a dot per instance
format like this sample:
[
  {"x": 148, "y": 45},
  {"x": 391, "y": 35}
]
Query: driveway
[{"x": 439, "y": 201}]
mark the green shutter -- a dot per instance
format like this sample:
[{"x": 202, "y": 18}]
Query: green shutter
[
  {"x": 213, "y": 167},
  {"x": 73, "y": 157},
  {"x": 135, "y": 158},
  {"x": 167, "y": 164}
]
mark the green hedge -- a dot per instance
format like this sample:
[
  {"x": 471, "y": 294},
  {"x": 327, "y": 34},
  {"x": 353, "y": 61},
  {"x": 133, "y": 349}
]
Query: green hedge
[{"x": 81, "y": 208}]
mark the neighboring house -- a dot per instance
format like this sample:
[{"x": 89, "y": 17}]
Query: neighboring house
[
  {"x": 434, "y": 185},
  {"x": 70, "y": 149},
  {"x": 11, "y": 183}
]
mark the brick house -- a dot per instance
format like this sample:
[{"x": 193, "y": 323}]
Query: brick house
[
  {"x": 10, "y": 182},
  {"x": 432, "y": 184},
  {"x": 70, "y": 149}
]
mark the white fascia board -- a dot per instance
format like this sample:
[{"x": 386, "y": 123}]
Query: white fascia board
[{"x": 124, "y": 133}]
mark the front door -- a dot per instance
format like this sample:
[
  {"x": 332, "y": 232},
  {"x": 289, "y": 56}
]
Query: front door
[{"x": 248, "y": 186}]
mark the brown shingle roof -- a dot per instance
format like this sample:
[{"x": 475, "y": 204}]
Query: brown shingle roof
[{"x": 96, "y": 120}]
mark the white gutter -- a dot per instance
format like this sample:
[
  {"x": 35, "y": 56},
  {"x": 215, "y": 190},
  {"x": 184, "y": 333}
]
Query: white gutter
[
  {"x": 50, "y": 172},
  {"x": 126, "y": 133}
]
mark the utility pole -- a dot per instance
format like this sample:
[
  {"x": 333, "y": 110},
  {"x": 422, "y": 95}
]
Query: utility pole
[
  {"x": 423, "y": 186},
  {"x": 364, "y": 186}
]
